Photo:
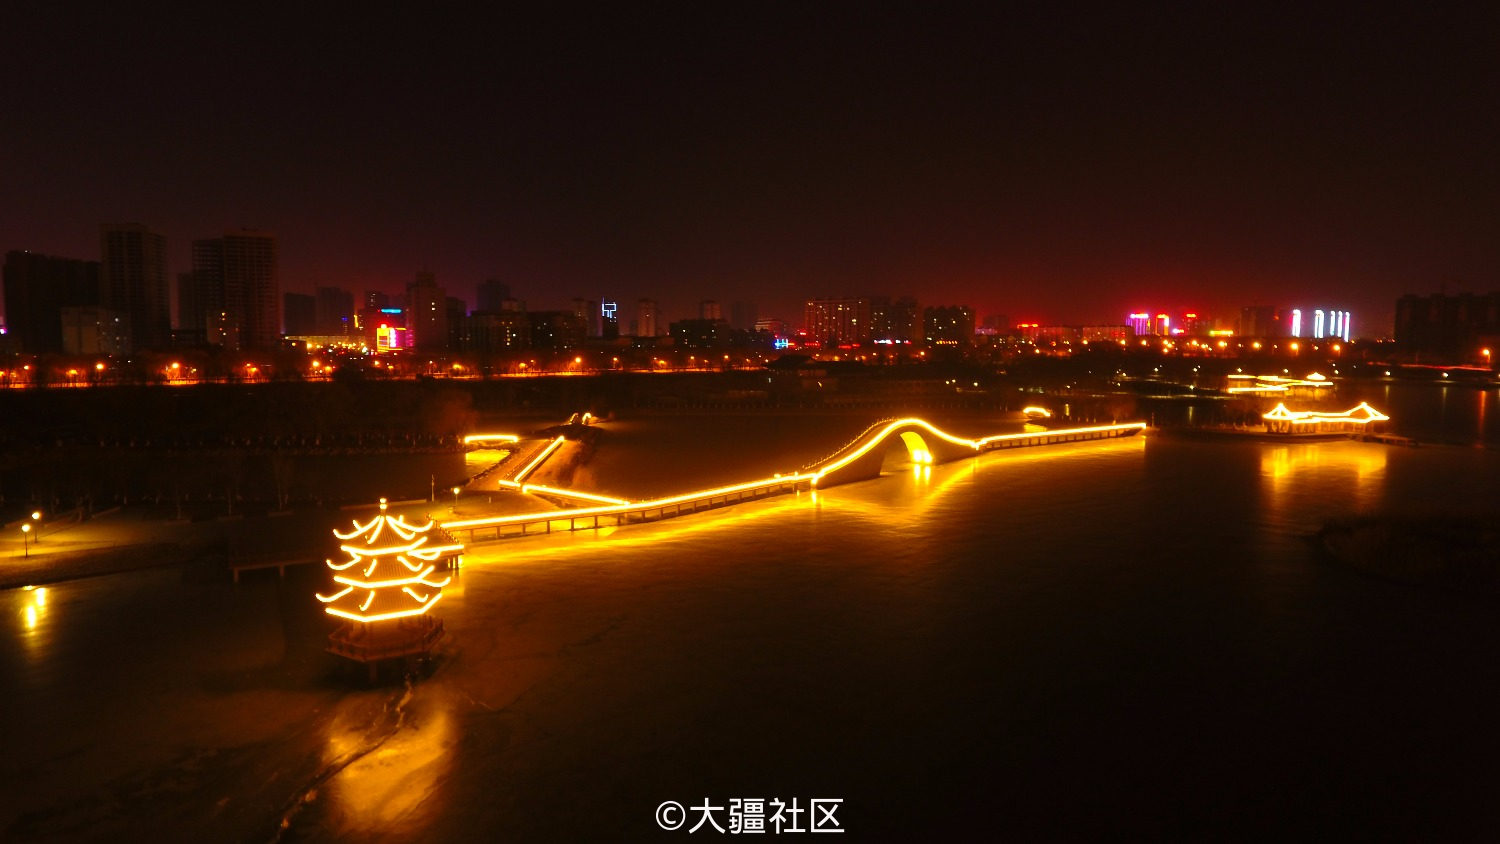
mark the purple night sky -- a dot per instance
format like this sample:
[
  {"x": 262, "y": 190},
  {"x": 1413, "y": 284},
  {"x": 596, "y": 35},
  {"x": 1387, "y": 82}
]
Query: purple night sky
[{"x": 1052, "y": 164}]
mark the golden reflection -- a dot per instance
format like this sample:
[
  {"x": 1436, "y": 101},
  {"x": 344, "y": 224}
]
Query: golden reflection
[
  {"x": 395, "y": 777},
  {"x": 480, "y": 459},
  {"x": 541, "y": 546},
  {"x": 1358, "y": 468},
  {"x": 948, "y": 477},
  {"x": 35, "y": 607},
  {"x": 866, "y": 443}
]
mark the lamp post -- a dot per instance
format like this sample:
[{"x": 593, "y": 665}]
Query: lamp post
[
  {"x": 25, "y": 540},
  {"x": 36, "y": 517},
  {"x": 455, "y": 499}
]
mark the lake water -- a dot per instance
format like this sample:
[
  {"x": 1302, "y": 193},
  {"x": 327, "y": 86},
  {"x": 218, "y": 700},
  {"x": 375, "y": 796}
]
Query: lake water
[{"x": 1121, "y": 638}]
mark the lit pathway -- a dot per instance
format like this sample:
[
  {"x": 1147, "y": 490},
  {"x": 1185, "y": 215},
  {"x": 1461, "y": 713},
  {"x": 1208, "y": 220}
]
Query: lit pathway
[{"x": 860, "y": 459}]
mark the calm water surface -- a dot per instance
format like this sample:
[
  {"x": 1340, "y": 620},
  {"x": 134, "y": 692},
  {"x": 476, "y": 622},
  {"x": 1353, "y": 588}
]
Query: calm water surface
[{"x": 1130, "y": 637}]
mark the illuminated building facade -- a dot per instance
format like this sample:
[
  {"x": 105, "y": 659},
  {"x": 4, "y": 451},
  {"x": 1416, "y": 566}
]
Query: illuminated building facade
[
  {"x": 385, "y": 329},
  {"x": 1146, "y": 324},
  {"x": 609, "y": 320},
  {"x": 1320, "y": 323},
  {"x": 835, "y": 322}
]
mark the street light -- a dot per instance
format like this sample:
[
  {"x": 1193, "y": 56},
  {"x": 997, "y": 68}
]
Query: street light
[
  {"x": 25, "y": 537},
  {"x": 455, "y": 499},
  {"x": 36, "y": 516}
]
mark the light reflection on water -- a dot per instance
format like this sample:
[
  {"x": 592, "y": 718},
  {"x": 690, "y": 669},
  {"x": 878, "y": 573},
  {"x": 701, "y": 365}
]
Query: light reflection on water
[
  {"x": 1006, "y": 608},
  {"x": 1337, "y": 472},
  {"x": 389, "y": 789}
]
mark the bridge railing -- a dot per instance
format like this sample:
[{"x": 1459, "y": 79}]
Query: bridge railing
[
  {"x": 813, "y": 466},
  {"x": 646, "y": 511},
  {"x": 615, "y": 515}
]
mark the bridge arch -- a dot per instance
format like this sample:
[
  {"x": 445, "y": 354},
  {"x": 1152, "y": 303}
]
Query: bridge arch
[
  {"x": 916, "y": 447},
  {"x": 861, "y": 459}
]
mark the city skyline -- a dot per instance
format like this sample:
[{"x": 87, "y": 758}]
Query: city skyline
[{"x": 1053, "y": 171}]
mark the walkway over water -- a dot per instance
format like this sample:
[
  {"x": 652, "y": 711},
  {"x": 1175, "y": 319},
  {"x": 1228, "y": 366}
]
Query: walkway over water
[{"x": 860, "y": 459}]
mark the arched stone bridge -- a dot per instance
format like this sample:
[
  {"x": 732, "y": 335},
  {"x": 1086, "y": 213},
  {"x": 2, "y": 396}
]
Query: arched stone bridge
[{"x": 926, "y": 444}]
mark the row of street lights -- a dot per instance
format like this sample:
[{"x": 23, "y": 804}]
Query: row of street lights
[{"x": 26, "y": 540}]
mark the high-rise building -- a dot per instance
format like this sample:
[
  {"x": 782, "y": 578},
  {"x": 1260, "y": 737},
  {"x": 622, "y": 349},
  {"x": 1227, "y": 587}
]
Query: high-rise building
[
  {"x": 556, "y": 329},
  {"x": 133, "y": 281},
  {"x": 238, "y": 290},
  {"x": 646, "y": 318},
  {"x": 208, "y": 295},
  {"x": 948, "y": 325},
  {"x": 587, "y": 311},
  {"x": 609, "y": 319},
  {"x": 37, "y": 288},
  {"x": 492, "y": 294},
  {"x": 838, "y": 321},
  {"x": 299, "y": 314},
  {"x": 252, "y": 286},
  {"x": 427, "y": 312},
  {"x": 495, "y": 332},
  {"x": 377, "y": 299},
  {"x": 457, "y": 309},
  {"x": 710, "y": 309},
  {"x": 700, "y": 333},
  {"x": 898, "y": 321}
]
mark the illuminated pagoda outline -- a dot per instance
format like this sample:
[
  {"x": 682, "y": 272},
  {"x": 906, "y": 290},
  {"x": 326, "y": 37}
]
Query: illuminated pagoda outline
[
  {"x": 385, "y": 589},
  {"x": 1281, "y": 420}
]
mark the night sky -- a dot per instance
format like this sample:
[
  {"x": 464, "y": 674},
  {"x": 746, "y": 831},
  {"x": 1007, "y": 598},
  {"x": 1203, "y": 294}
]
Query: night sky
[{"x": 1056, "y": 164}]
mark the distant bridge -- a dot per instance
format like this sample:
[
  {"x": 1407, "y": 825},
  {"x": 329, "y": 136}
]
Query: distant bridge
[{"x": 860, "y": 459}]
